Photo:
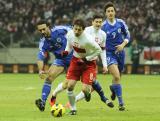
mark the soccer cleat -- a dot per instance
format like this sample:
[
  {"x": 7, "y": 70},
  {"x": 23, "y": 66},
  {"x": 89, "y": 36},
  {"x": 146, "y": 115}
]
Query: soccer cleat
[
  {"x": 73, "y": 112},
  {"x": 87, "y": 96},
  {"x": 52, "y": 101},
  {"x": 40, "y": 104},
  {"x": 109, "y": 104},
  {"x": 121, "y": 107},
  {"x": 113, "y": 95}
]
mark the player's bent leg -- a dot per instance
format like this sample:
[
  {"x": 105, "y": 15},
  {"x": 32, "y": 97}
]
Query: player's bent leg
[
  {"x": 71, "y": 96},
  {"x": 87, "y": 91},
  {"x": 80, "y": 96},
  {"x": 97, "y": 87},
  {"x": 62, "y": 86},
  {"x": 116, "y": 86},
  {"x": 53, "y": 72},
  {"x": 40, "y": 103}
]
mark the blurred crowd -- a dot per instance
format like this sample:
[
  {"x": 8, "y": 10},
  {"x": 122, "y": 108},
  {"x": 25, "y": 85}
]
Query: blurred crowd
[{"x": 19, "y": 17}]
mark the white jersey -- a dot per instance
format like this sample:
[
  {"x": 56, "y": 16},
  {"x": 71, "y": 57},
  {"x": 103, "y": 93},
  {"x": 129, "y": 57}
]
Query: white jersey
[
  {"x": 83, "y": 46},
  {"x": 100, "y": 37}
]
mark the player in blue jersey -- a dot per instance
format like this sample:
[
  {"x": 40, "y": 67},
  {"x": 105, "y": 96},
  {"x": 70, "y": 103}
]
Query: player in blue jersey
[
  {"x": 117, "y": 37},
  {"x": 53, "y": 40}
]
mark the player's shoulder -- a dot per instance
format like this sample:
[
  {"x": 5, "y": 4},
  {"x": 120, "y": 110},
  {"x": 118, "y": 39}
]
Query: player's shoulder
[
  {"x": 102, "y": 32},
  {"x": 121, "y": 21},
  {"x": 70, "y": 34},
  {"x": 104, "y": 22},
  {"x": 88, "y": 38},
  {"x": 57, "y": 27},
  {"x": 42, "y": 39},
  {"x": 88, "y": 29}
]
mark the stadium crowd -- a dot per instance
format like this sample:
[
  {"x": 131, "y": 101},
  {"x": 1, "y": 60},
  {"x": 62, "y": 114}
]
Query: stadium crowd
[{"x": 19, "y": 17}]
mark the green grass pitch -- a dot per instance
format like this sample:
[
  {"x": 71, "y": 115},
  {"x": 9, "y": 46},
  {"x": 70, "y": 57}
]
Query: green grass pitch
[{"x": 141, "y": 94}]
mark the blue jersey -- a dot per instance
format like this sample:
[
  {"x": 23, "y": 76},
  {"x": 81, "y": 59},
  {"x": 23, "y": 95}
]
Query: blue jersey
[
  {"x": 55, "y": 44},
  {"x": 115, "y": 33},
  {"x": 115, "y": 36}
]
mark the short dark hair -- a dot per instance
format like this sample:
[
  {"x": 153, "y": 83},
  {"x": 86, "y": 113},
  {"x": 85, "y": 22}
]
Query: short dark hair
[
  {"x": 43, "y": 22},
  {"x": 109, "y": 4},
  {"x": 96, "y": 15},
  {"x": 79, "y": 22}
]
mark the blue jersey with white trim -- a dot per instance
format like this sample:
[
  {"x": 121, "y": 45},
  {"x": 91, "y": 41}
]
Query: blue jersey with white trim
[
  {"x": 115, "y": 33},
  {"x": 55, "y": 44}
]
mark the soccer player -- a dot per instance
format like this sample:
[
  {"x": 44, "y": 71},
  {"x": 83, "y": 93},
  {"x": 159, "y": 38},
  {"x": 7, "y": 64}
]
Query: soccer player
[
  {"x": 53, "y": 40},
  {"x": 83, "y": 63},
  {"x": 117, "y": 37},
  {"x": 100, "y": 37}
]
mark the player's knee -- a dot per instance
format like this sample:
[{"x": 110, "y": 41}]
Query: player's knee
[
  {"x": 70, "y": 87},
  {"x": 85, "y": 89},
  {"x": 65, "y": 85},
  {"x": 52, "y": 76},
  {"x": 117, "y": 78},
  {"x": 48, "y": 81}
]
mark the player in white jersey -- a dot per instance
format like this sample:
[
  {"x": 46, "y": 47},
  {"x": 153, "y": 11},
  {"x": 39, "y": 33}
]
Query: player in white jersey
[
  {"x": 83, "y": 64},
  {"x": 100, "y": 37}
]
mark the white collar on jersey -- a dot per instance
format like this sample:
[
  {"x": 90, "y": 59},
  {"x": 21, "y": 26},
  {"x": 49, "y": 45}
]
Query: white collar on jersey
[
  {"x": 113, "y": 23},
  {"x": 94, "y": 29}
]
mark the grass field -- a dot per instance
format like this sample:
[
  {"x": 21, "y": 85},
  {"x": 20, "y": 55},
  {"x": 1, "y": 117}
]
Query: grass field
[{"x": 141, "y": 94}]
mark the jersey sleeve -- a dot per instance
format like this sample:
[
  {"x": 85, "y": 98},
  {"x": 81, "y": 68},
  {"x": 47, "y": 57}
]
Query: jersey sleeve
[
  {"x": 42, "y": 50},
  {"x": 125, "y": 31},
  {"x": 69, "y": 39},
  {"x": 103, "y": 53}
]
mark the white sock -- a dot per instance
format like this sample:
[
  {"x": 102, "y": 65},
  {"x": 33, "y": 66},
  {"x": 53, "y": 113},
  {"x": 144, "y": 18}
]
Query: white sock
[
  {"x": 80, "y": 96},
  {"x": 58, "y": 89},
  {"x": 71, "y": 98}
]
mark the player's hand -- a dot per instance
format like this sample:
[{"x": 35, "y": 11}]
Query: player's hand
[
  {"x": 64, "y": 53},
  {"x": 42, "y": 74},
  {"x": 105, "y": 70},
  {"x": 119, "y": 48}
]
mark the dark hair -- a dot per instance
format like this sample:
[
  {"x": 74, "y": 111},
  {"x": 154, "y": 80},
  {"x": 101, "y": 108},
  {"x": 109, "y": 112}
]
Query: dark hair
[
  {"x": 43, "y": 22},
  {"x": 109, "y": 4},
  {"x": 96, "y": 15},
  {"x": 80, "y": 23}
]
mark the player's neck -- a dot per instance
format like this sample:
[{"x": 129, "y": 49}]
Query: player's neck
[
  {"x": 95, "y": 29},
  {"x": 111, "y": 21}
]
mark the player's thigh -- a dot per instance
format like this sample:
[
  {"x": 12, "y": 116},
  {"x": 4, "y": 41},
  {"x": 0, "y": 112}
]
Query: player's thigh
[
  {"x": 55, "y": 71},
  {"x": 113, "y": 69},
  {"x": 71, "y": 84},
  {"x": 89, "y": 75},
  {"x": 65, "y": 83}
]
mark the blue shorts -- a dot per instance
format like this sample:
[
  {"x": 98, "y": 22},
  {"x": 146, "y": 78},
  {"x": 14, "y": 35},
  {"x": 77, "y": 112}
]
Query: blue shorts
[
  {"x": 63, "y": 61},
  {"x": 118, "y": 58}
]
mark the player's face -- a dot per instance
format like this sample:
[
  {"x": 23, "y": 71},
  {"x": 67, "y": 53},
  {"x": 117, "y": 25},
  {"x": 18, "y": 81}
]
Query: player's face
[
  {"x": 97, "y": 23},
  {"x": 44, "y": 30},
  {"x": 110, "y": 13},
  {"x": 77, "y": 30}
]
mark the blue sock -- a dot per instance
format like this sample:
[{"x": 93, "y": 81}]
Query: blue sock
[
  {"x": 118, "y": 91},
  {"x": 46, "y": 90},
  {"x": 97, "y": 87}
]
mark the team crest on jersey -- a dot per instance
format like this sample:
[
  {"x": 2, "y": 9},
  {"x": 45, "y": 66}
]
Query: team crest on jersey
[
  {"x": 59, "y": 39},
  {"x": 119, "y": 30}
]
